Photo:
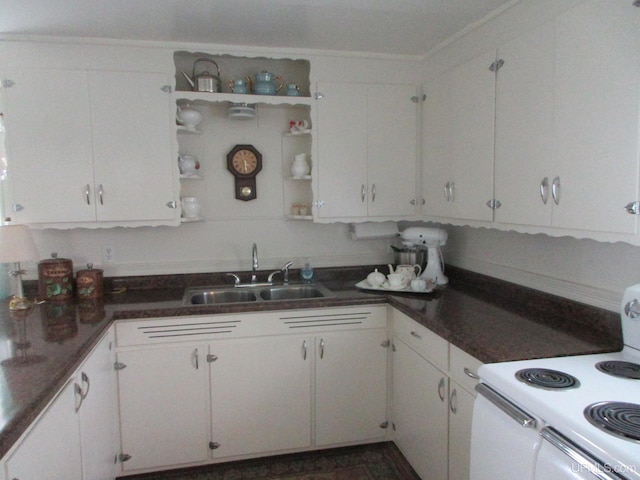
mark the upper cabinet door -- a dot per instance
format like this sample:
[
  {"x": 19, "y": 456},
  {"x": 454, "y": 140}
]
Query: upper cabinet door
[
  {"x": 459, "y": 136},
  {"x": 391, "y": 147},
  {"x": 597, "y": 95},
  {"x": 131, "y": 118},
  {"x": 524, "y": 129},
  {"x": 341, "y": 135},
  {"x": 49, "y": 152}
]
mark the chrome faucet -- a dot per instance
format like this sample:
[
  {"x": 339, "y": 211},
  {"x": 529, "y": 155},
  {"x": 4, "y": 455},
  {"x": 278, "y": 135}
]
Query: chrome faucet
[
  {"x": 284, "y": 270},
  {"x": 254, "y": 268}
]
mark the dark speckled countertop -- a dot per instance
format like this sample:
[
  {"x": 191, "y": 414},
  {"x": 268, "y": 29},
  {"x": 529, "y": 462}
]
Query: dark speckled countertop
[{"x": 492, "y": 320}]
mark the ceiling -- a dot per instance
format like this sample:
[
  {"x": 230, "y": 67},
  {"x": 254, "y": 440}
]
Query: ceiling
[{"x": 410, "y": 27}]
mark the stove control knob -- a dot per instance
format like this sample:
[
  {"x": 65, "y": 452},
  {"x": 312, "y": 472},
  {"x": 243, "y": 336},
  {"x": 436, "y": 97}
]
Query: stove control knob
[{"x": 632, "y": 309}]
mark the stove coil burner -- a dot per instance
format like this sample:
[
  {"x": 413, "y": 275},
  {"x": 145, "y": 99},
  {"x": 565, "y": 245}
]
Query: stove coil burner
[
  {"x": 620, "y": 369},
  {"x": 545, "y": 378},
  {"x": 617, "y": 418}
]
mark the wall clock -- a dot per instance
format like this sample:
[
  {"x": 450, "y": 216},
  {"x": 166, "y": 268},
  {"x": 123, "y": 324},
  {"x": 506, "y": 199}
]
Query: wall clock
[{"x": 245, "y": 162}]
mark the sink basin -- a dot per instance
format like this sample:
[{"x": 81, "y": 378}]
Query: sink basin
[
  {"x": 293, "y": 292},
  {"x": 213, "y": 296},
  {"x": 248, "y": 293}
]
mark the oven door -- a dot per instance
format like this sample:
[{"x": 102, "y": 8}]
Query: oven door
[
  {"x": 504, "y": 439},
  {"x": 561, "y": 459}
]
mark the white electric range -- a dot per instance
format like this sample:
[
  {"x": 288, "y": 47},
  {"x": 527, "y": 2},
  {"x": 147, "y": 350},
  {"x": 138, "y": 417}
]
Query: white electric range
[{"x": 562, "y": 418}]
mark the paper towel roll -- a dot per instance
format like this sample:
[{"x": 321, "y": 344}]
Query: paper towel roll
[{"x": 373, "y": 230}]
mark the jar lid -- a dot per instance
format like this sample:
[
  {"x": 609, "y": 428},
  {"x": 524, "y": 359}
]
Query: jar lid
[{"x": 54, "y": 260}]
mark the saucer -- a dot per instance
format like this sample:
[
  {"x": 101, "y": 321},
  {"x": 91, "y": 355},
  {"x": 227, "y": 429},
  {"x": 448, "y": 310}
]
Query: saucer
[{"x": 388, "y": 286}]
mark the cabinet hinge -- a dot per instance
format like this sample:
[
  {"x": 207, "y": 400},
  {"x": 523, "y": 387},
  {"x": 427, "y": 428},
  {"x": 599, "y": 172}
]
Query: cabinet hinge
[
  {"x": 16, "y": 207},
  {"x": 172, "y": 204},
  {"x": 393, "y": 347},
  {"x": 211, "y": 358},
  {"x": 393, "y": 426},
  {"x": 124, "y": 457},
  {"x": 214, "y": 445},
  {"x": 119, "y": 366},
  {"x": 494, "y": 204},
  {"x": 418, "y": 98},
  {"x": 319, "y": 203},
  {"x": 384, "y": 425},
  {"x": 8, "y": 83},
  {"x": 633, "y": 208},
  {"x": 386, "y": 344},
  {"x": 166, "y": 88},
  {"x": 318, "y": 95},
  {"x": 497, "y": 65}
]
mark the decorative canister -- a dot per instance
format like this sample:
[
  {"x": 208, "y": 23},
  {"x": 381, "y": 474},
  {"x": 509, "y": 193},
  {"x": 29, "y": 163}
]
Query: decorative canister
[
  {"x": 58, "y": 321},
  {"x": 55, "y": 278},
  {"x": 89, "y": 282}
]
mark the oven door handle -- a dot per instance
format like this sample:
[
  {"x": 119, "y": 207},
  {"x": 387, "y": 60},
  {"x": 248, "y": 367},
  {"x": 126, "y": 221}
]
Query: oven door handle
[
  {"x": 578, "y": 455},
  {"x": 519, "y": 415}
]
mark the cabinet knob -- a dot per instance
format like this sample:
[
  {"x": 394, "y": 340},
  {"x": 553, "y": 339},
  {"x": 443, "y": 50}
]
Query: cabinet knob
[
  {"x": 633, "y": 208},
  {"x": 172, "y": 204},
  {"x": 124, "y": 457}
]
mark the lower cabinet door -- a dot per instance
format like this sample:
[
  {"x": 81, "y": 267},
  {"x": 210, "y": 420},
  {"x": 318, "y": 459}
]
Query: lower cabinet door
[
  {"x": 460, "y": 415},
  {"x": 260, "y": 395},
  {"x": 164, "y": 406},
  {"x": 99, "y": 430},
  {"x": 51, "y": 450},
  {"x": 351, "y": 386},
  {"x": 420, "y": 412}
]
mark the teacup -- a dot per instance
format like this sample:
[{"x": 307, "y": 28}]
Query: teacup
[{"x": 397, "y": 280}]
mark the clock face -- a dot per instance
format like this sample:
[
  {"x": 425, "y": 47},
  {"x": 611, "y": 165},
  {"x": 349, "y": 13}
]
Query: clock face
[{"x": 244, "y": 162}]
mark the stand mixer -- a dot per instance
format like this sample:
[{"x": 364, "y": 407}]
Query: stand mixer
[{"x": 433, "y": 239}]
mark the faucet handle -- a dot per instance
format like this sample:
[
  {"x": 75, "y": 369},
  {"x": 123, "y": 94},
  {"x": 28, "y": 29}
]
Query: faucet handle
[
  {"x": 236, "y": 278},
  {"x": 285, "y": 269},
  {"x": 273, "y": 274}
]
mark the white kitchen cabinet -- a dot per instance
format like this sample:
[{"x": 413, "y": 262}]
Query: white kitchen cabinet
[
  {"x": 260, "y": 395},
  {"x": 51, "y": 449},
  {"x": 597, "y": 96},
  {"x": 98, "y": 412},
  {"x": 164, "y": 406},
  {"x": 274, "y": 382},
  {"x": 366, "y": 151},
  {"x": 351, "y": 386},
  {"x": 84, "y": 416},
  {"x": 420, "y": 417},
  {"x": 524, "y": 166},
  {"x": 459, "y": 113},
  {"x": 77, "y": 140},
  {"x": 463, "y": 378}
]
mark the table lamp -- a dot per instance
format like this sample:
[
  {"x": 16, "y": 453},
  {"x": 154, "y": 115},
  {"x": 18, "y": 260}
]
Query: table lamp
[{"x": 17, "y": 245}]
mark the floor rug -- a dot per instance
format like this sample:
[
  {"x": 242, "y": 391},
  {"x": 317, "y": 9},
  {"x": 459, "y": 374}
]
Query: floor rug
[{"x": 378, "y": 461}]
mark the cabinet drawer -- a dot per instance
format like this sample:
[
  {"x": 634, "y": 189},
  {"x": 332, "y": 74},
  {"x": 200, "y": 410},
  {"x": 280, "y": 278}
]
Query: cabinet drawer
[
  {"x": 179, "y": 329},
  {"x": 460, "y": 362},
  {"x": 212, "y": 327},
  {"x": 429, "y": 345}
]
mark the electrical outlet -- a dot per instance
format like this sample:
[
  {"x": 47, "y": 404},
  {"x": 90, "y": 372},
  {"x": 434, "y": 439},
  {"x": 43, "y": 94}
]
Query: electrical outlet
[{"x": 108, "y": 254}]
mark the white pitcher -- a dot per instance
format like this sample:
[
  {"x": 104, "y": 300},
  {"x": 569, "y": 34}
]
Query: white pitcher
[{"x": 300, "y": 167}]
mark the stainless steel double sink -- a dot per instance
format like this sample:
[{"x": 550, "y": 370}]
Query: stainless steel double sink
[{"x": 250, "y": 293}]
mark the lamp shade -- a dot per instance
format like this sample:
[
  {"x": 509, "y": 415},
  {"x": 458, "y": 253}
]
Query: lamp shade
[{"x": 16, "y": 244}]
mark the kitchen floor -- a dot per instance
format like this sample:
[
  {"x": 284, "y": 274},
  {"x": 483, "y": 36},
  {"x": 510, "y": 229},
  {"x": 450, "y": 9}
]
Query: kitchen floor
[{"x": 378, "y": 461}]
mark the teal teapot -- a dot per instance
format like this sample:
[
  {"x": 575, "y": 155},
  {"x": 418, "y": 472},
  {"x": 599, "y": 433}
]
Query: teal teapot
[{"x": 266, "y": 83}]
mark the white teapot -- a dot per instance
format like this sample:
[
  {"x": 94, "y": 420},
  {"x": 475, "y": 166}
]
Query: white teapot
[{"x": 409, "y": 271}]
